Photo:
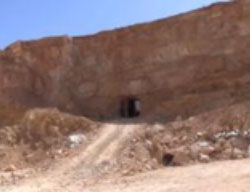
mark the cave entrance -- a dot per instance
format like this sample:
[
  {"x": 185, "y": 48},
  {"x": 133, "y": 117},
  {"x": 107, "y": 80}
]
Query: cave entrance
[
  {"x": 167, "y": 159},
  {"x": 130, "y": 107}
]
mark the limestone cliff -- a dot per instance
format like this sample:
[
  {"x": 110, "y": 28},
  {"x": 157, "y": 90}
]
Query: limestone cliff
[{"x": 181, "y": 65}]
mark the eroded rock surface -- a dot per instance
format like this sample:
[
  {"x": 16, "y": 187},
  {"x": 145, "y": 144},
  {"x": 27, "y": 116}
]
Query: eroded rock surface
[{"x": 182, "y": 65}]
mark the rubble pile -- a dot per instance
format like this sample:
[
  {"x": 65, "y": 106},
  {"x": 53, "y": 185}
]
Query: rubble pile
[
  {"x": 42, "y": 136},
  {"x": 217, "y": 135},
  {"x": 46, "y": 126}
]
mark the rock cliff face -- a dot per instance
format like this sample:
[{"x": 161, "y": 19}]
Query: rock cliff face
[{"x": 182, "y": 65}]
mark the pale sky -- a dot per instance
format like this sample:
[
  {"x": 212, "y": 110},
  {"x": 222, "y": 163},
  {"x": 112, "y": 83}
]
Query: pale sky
[{"x": 31, "y": 19}]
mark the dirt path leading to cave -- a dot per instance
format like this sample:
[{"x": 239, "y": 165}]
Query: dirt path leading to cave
[{"x": 69, "y": 175}]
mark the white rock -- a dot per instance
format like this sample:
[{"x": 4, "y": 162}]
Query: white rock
[
  {"x": 159, "y": 128},
  {"x": 74, "y": 140},
  {"x": 191, "y": 118},
  {"x": 200, "y": 134},
  {"x": 59, "y": 151},
  {"x": 204, "y": 158},
  {"x": 232, "y": 133},
  {"x": 203, "y": 144}
]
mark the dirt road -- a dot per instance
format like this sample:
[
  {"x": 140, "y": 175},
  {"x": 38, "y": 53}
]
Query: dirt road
[{"x": 230, "y": 176}]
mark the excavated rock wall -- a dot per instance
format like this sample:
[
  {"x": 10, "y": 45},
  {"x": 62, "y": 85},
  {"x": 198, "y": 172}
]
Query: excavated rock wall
[{"x": 182, "y": 65}]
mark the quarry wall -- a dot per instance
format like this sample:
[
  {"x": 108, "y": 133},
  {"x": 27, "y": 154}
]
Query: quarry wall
[{"x": 182, "y": 65}]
